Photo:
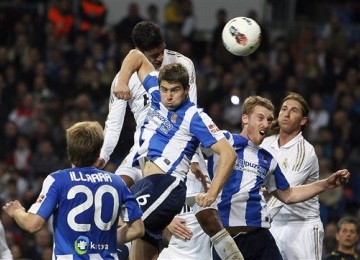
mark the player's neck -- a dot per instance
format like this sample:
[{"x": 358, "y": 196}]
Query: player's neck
[{"x": 284, "y": 138}]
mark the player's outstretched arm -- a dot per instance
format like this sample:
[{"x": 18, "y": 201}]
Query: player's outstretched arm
[
  {"x": 135, "y": 61},
  {"x": 304, "y": 192},
  {"x": 27, "y": 221}
]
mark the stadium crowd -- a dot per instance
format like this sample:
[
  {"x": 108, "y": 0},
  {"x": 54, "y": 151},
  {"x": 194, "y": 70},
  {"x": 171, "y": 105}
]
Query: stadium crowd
[{"x": 56, "y": 69}]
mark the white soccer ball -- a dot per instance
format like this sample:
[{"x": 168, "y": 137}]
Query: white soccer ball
[{"x": 241, "y": 36}]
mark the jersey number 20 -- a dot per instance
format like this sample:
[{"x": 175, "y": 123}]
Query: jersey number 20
[{"x": 92, "y": 200}]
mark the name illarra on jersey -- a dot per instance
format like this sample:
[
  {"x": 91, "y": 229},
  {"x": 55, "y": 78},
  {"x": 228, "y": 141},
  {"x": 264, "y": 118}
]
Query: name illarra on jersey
[{"x": 94, "y": 177}]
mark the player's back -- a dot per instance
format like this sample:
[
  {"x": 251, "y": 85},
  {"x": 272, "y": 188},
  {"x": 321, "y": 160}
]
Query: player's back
[{"x": 86, "y": 204}]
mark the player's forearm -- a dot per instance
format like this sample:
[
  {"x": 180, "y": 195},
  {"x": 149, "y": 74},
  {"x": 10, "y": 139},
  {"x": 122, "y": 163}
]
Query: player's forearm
[
  {"x": 28, "y": 221},
  {"x": 113, "y": 127},
  {"x": 134, "y": 230},
  {"x": 304, "y": 192},
  {"x": 131, "y": 63},
  {"x": 225, "y": 168}
]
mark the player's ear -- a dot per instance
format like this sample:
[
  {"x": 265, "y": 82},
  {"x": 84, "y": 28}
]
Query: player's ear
[{"x": 244, "y": 119}]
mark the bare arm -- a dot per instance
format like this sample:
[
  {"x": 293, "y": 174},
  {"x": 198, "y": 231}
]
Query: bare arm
[
  {"x": 135, "y": 61},
  {"x": 27, "y": 221},
  {"x": 130, "y": 231},
  {"x": 226, "y": 164},
  {"x": 304, "y": 192}
]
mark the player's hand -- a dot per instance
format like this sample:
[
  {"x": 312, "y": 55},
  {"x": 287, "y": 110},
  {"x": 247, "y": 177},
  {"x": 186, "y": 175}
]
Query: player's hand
[
  {"x": 100, "y": 163},
  {"x": 13, "y": 206},
  {"x": 200, "y": 176},
  {"x": 205, "y": 199},
  {"x": 122, "y": 91},
  {"x": 338, "y": 178},
  {"x": 178, "y": 228}
]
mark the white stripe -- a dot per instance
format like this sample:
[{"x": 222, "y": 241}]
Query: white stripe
[{"x": 161, "y": 198}]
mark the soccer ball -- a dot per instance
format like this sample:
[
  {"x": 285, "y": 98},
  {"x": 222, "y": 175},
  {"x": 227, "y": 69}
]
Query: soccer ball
[{"x": 241, "y": 36}]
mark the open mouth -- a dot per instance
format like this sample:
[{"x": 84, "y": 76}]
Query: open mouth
[{"x": 262, "y": 132}]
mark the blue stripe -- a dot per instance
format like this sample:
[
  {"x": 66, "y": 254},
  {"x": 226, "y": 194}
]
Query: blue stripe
[
  {"x": 253, "y": 207},
  {"x": 210, "y": 166},
  {"x": 200, "y": 130},
  {"x": 232, "y": 187}
]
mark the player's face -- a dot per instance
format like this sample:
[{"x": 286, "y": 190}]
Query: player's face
[
  {"x": 290, "y": 117},
  {"x": 172, "y": 94},
  {"x": 347, "y": 235},
  {"x": 156, "y": 55},
  {"x": 257, "y": 124}
]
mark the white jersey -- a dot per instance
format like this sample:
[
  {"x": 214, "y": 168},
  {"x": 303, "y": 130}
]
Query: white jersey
[
  {"x": 139, "y": 105},
  {"x": 5, "y": 252},
  {"x": 299, "y": 163}
]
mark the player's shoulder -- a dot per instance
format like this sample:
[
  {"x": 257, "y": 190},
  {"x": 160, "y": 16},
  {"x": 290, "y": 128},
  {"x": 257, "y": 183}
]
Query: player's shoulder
[
  {"x": 268, "y": 140},
  {"x": 171, "y": 56},
  {"x": 308, "y": 147}
]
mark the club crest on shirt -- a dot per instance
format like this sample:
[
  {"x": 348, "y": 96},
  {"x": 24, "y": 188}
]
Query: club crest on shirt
[
  {"x": 264, "y": 157},
  {"x": 174, "y": 118},
  {"x": 213, "y": 128},
  {"x": 285, "y": 163}
]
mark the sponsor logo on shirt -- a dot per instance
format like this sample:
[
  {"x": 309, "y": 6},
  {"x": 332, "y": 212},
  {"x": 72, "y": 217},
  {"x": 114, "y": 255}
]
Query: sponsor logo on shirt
[
  {"x": 82, "y": 244},
  {"x": 246, "y": 166},
  {"x": 159, "y": 120},
  {"x": 213, "y": 128}
]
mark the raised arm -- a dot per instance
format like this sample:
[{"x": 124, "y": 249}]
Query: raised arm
[
  {"x": 135, "y": 61},
  {"x": 226, "y": 165}
]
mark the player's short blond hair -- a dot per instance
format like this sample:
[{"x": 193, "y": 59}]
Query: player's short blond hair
[
  {"x": 84, "y": 141},
  {"x": 251, "y": 102}
]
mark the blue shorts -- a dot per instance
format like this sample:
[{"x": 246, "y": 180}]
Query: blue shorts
[
  {"x": 161, "y": 197},
  {"x": 256, "y": 245}
]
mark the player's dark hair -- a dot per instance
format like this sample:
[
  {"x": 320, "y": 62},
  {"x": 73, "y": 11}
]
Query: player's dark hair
[
  {"x": 84, "y": 141},
  {"x": 300, "y": 99},
  {"x": 174, "y": 73},
  {"x": 147, "y": 35}
]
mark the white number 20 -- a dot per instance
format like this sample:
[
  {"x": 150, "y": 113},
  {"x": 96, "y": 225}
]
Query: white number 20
[{"x": 92, "y": 199}]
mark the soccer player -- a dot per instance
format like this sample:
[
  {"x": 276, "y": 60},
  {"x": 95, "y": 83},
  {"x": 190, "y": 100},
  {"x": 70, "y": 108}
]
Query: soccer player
[
  {"x": 85, "y": 202},
  {"x": 347, "y": 237},
  {"x": 147, "y": 38},
  {"x": 242, "y": 206},
  {"x": 299, "y": 163},
  {"x": 172, "y": 131}
]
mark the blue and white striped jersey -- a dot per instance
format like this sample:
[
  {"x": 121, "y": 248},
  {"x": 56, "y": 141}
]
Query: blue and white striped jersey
[
  {"x": 86, "y": 204},
  {"x": 241, "y": 202},
  {"x": 139, "y": 105},
  {"x": 170, "y": 138}
]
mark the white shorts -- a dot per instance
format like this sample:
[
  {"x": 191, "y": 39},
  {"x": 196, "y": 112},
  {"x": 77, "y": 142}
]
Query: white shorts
[
  {"x": 197, "y": 248},
  {"x": 299, "y": 239},
  {"x": 126, "y": 167}
]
